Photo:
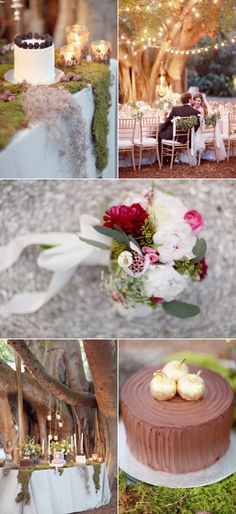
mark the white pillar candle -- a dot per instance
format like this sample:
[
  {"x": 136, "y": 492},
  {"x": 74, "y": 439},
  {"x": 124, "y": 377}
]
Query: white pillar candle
[
  {"x": 75, "y": 443},
  {"x": 82, "y": 443},
  {"x": 43, "y": 446},
  {"x": 72, "y": 443},
  {"x": 49, "y": 449}
]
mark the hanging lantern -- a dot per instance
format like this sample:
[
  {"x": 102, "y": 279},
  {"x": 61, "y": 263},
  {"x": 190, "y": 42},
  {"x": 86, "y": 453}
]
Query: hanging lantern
[
  {"x": 58, "y": 416},
  {"x": 49, "y": 416},
  {"x": 50, "y": 437},
  {"x": 55, "y": 437},
  {"x": 60, "y": 424},
  {"x": 16, "y": 6}
]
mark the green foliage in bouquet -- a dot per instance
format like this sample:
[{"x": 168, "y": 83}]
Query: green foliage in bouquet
[
  {"x": 61, "y": 446},
  {"x": 141, "y": 498},
  {"x": 187, "y": 266},
  {"x": 185, "y": 124},
  {"x": 31, "y": 449}
]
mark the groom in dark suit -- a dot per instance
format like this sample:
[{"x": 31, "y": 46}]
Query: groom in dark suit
[{"x": 184, "y": 110}]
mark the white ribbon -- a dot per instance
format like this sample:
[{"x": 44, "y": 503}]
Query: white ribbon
[{"x": 67, "y": 253}]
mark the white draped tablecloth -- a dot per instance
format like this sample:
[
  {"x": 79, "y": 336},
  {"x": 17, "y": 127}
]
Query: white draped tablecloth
[
  {"x": 51, "y": 493},
  {"x": 29, "y": 155}
]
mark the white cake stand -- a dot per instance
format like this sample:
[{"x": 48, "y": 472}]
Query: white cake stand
[
  {"x": 137, "y": 471},
  {"x": 9, "y": 77}
]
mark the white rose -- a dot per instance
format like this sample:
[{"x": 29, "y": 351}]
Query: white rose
[
  {"x": 167, "y": 208},
  {"x": 165, "y": 282},
  {"x": 176, "y": 241},
  {"x": 125, "y": 259}
]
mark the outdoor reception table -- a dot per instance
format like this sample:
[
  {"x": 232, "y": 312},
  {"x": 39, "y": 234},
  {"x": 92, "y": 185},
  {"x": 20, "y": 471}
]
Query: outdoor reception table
[
  {"x": 28, "y": 155},
  {"x": 51, "y": 493}
]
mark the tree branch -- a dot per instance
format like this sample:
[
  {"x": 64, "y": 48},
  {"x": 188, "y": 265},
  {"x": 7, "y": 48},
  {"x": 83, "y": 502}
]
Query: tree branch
[{"x": 48, "y": 382}]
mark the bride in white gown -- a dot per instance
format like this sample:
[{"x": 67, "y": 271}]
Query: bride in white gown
[{"x": 201, "y": 105}]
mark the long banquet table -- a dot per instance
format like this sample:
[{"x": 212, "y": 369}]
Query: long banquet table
[
  {"x": 28, "y": 155},
  {"x": 52, "y": 493}
]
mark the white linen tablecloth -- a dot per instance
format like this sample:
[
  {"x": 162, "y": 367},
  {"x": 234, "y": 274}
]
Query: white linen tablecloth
[
  {"x": 51, "y": 493},
  {"x": 29, "y": 155}
]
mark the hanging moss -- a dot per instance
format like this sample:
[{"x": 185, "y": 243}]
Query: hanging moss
[
  {"x": 94, "y": 74},
  {"x": 23, "y": 477},
  {"x": 142, "y": 498},
  {"x": 96, "y": 476}
]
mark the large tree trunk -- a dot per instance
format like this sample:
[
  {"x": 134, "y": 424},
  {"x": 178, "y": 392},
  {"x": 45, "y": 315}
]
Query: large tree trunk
[
  {"x": 101, "y": 356},
  {"x": 20, "y": 400},
  {"x": 7, "y": 427}
]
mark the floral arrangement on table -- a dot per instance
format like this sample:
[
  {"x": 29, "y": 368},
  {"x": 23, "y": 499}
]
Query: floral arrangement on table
[
  {"x": 186, "y": 123},
  {"x": 61, "y": 446},
  {"x": 168, "y": 101},
  {"x": 155, "y": 253},
  {"x": 211, "y": 119},
  {"x": 30, "y": 449}
]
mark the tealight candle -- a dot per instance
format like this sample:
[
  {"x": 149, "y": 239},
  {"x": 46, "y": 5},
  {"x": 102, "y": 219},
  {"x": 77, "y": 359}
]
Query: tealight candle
[
  {"x": 101, "y": 51},
  {"x": 69, "y": 56},
  {"x": 78, "y": 35},
  {"x": 100, "y": 459},
  {"x": 94, "y": 456}
]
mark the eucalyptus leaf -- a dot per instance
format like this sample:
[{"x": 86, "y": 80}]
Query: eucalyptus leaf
[
  {"x": 115, "y": 234},
  {"x": 91, "y": 242},
  {"x": 126, "y": 239},
  {"x": 199, "y": 251},
  {"x": 180, "y": 309}
]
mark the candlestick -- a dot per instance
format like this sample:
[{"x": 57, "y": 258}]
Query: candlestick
[{"x": 101, "y": 51}]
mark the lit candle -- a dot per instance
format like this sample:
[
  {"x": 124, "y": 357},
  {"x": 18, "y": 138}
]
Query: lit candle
[
  {"x": 72, "y": 443},
  {"x": 43, "y": 447},
  {"x": 78, "y": 36},
  {"x": 69, "y": 56},
  {"x": 101, "y": 51},
  {"x": 95, "y": 456}
]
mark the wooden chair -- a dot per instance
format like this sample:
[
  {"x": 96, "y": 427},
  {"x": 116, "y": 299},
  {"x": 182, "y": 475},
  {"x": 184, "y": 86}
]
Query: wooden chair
[
  {"x": 126, "y": 138},
  {"x": 230, "y": 139},
  {"x": 210, "y": 142},
  {"x": 148, "y": 139},
  {"x": 172, "y": 147}
]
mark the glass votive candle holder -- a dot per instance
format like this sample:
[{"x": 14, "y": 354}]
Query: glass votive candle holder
[
  {"x": 101, "y": 51},
  {"x": 69, "y": 56},
  {"x": 78, "y": 35}
]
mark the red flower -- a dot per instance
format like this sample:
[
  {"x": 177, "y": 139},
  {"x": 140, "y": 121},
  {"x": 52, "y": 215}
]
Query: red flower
[
  {"x": 204, "y": 269},
  {"x": 156, "y": 299},
  {"x": 130, "y": 219}
]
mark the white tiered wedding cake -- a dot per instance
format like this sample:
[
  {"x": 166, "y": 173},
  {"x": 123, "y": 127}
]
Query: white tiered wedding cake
[{"x": 34, "y": 59}]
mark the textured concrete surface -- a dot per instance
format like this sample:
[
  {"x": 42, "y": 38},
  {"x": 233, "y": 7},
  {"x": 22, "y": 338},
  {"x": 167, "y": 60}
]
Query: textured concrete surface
[{"x": 82, "y": 309}]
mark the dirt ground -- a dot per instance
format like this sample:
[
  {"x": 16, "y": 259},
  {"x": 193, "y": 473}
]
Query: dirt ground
[
  {"x": 107, "y": 509},
  {"x": 206, "y": 169}
]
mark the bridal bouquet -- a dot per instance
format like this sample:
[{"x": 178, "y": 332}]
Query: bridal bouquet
[{"x": 155, "y": 252}]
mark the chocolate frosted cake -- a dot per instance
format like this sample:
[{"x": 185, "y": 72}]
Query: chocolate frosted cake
[
  {"x": 177, "y": 436},
  {"x": 34, "y": 59}
]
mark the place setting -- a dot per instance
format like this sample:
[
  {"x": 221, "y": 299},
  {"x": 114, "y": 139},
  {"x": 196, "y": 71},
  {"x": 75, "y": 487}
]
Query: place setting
[{"x": 57, "y": 97}]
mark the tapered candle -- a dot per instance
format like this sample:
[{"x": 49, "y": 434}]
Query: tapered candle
[
  {"x": 43, "y": 446},
  {"x": 72, "y": 443},
  {"x": 75, "y": 443},
  {"x": 82, "y": 443}
]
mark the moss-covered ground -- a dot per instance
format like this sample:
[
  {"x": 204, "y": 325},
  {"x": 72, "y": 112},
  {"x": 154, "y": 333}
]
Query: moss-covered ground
[{"x": 140, "y": 498}]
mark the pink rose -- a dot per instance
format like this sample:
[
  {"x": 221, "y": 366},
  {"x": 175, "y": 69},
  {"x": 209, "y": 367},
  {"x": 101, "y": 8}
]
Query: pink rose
[
  {"x": 151, "y": 253},
  {"x": 194, "y": 220}
]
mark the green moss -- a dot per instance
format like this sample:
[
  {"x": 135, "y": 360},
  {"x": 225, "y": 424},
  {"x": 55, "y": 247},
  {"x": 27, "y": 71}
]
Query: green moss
[
  {"x": 142, "y": 498},
  {"x": 23, "y": 477},
  {"x": 96, "y": 476},
  {"x": 96, "y": 75},
  {"x": 14, "y": 119}
]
